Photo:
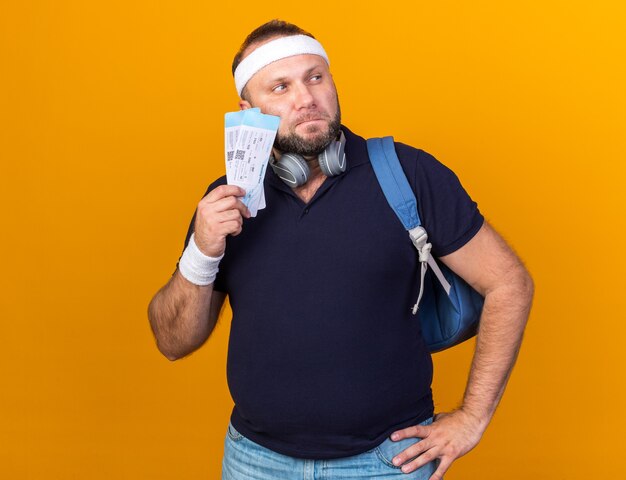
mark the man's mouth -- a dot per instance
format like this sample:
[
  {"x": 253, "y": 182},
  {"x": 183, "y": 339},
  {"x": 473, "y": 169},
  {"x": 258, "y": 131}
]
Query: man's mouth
[{"x": 308, "y": 120}]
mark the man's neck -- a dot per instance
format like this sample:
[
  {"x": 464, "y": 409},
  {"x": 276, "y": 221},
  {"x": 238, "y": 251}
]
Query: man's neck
[{"x": 316, "y": 178}]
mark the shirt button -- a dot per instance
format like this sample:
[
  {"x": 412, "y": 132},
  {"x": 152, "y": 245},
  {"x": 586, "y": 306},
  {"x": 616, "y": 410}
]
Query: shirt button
[{"x": 306, "y": 210}]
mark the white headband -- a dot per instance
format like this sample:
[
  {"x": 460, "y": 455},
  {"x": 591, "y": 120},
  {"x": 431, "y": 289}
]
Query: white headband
[{"x": 273, "y": 51}]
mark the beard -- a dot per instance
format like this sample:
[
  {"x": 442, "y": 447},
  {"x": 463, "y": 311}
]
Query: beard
[{"x": 291, "y": 142}]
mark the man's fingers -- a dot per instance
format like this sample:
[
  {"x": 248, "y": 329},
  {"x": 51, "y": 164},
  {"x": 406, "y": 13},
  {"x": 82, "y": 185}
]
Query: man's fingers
[
  {"x": 229, "y": 215},
  {"x": 222, "y": 204},
  {"x": 421, "y": 431},
  {"x": 243, "y": 210},
  {"x": 233, "y": 228},
  {"x": 426, "y": 457},
  {"x": 229, "y": 224},
  {"x": 444, "y": 465},
  {"x": 450, "y": 437},
  {"x": 219, "y": 214},
  {"x": 224, "y": 191},
  {"x": 410, "y": 452},
  {"x": 228, "y": 203}
]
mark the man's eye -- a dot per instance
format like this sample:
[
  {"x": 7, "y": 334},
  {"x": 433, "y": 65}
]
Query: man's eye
[
  {"x": 279, "y": 88},
  {"x": 316, "y": 78}
]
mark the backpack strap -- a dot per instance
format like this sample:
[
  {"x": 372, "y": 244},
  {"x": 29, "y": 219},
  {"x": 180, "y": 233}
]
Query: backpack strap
[
  {"x": 382, "y": 153},
  {"x": 399, "y": 194}
]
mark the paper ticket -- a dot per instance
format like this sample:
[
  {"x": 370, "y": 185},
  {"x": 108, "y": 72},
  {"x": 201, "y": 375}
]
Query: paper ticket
[
  {"x": 249, "y": 137},
  {"x": 232, "y": 122}
]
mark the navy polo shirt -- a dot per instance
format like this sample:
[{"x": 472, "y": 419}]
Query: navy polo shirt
[{"x": 325, "y": 359}]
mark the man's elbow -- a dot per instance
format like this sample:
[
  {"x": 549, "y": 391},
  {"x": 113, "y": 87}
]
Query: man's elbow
[
  {"x": 177, "y": 351},
  {"x": 527, "y": 285},
  {"x": 516, "y": 287},
  {"x": 171, "y": 355},
  {"x": 523, "y": 290}
]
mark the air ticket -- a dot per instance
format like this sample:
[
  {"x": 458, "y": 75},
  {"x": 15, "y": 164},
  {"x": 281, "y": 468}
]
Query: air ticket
[{"x": 249, "y": 137}]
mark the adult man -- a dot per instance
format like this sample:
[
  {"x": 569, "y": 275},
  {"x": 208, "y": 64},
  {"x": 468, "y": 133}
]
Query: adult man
[{"x": 326, "y": 364}]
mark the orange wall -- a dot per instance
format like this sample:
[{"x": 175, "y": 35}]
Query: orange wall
[{"x": 111, "y": 127}]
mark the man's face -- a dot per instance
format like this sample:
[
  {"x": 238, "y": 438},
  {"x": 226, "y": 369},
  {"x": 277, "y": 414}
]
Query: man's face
[{"x": 300, "y": 90}]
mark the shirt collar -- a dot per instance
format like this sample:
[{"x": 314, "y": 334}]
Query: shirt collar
[{"x": 356, "y": 149}]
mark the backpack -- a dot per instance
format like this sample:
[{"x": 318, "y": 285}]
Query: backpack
[{"x": 450, "y": 309}]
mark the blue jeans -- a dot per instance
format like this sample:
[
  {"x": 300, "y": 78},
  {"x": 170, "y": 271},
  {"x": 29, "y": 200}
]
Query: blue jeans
[{"x": 246, "y": 460}]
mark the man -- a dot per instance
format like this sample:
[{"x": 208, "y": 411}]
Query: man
[{"x": 326, "y": 363}]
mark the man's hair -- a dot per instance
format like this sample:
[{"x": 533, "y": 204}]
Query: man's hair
[{"x": 273, "y": 28}]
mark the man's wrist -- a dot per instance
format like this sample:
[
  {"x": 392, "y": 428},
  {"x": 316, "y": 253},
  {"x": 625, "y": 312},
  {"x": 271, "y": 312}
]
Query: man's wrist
[
  {"x": 195, "y": 266},
  {"x": 481, "y": 421}
]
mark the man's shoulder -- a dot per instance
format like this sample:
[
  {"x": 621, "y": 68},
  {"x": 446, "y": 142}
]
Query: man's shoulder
[
  {"x": 418, "y": 163},
  {"x": 407, "y": 154},
  {"x": 219, "y": 181},
  {"x": 415, "y": 154}
]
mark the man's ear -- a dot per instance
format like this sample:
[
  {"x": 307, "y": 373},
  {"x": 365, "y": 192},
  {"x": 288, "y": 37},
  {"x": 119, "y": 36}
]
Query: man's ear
[{"x": 244, "y": 105}]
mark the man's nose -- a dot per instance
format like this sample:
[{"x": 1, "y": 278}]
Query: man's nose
[{"x": 303, "y": 96}]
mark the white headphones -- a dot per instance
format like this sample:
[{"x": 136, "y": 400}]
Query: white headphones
[{"x": 294, "y": 171}]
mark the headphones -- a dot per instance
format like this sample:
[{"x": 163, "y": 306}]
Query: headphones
[{"x": 294, "y": 171}]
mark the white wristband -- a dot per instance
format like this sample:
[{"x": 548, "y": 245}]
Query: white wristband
[{"x": 195, "y": 266}]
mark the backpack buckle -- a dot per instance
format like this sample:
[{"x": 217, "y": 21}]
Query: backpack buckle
[{"x": 419, "y": 237}]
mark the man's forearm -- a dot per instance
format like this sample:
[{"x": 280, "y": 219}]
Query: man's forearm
[
  {"x": 180, "y": 316},
  {"x": 184, "y": 312},
  {"x": 502, "y": 324},
  {"x": 489, "y": 265}
]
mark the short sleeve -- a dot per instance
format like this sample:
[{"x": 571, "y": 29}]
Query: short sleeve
[
  {"x": 449, "y": 215},
  {"x": 218, "y": 284}
]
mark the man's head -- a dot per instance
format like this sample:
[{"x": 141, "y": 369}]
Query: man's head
[{"x": 283, "y": 70}]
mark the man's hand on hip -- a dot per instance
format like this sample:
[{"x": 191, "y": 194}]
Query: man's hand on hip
[{"x": 449, "y": 437}]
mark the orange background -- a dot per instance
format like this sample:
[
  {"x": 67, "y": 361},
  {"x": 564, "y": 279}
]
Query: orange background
[{"x": 111, "y": 127}]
